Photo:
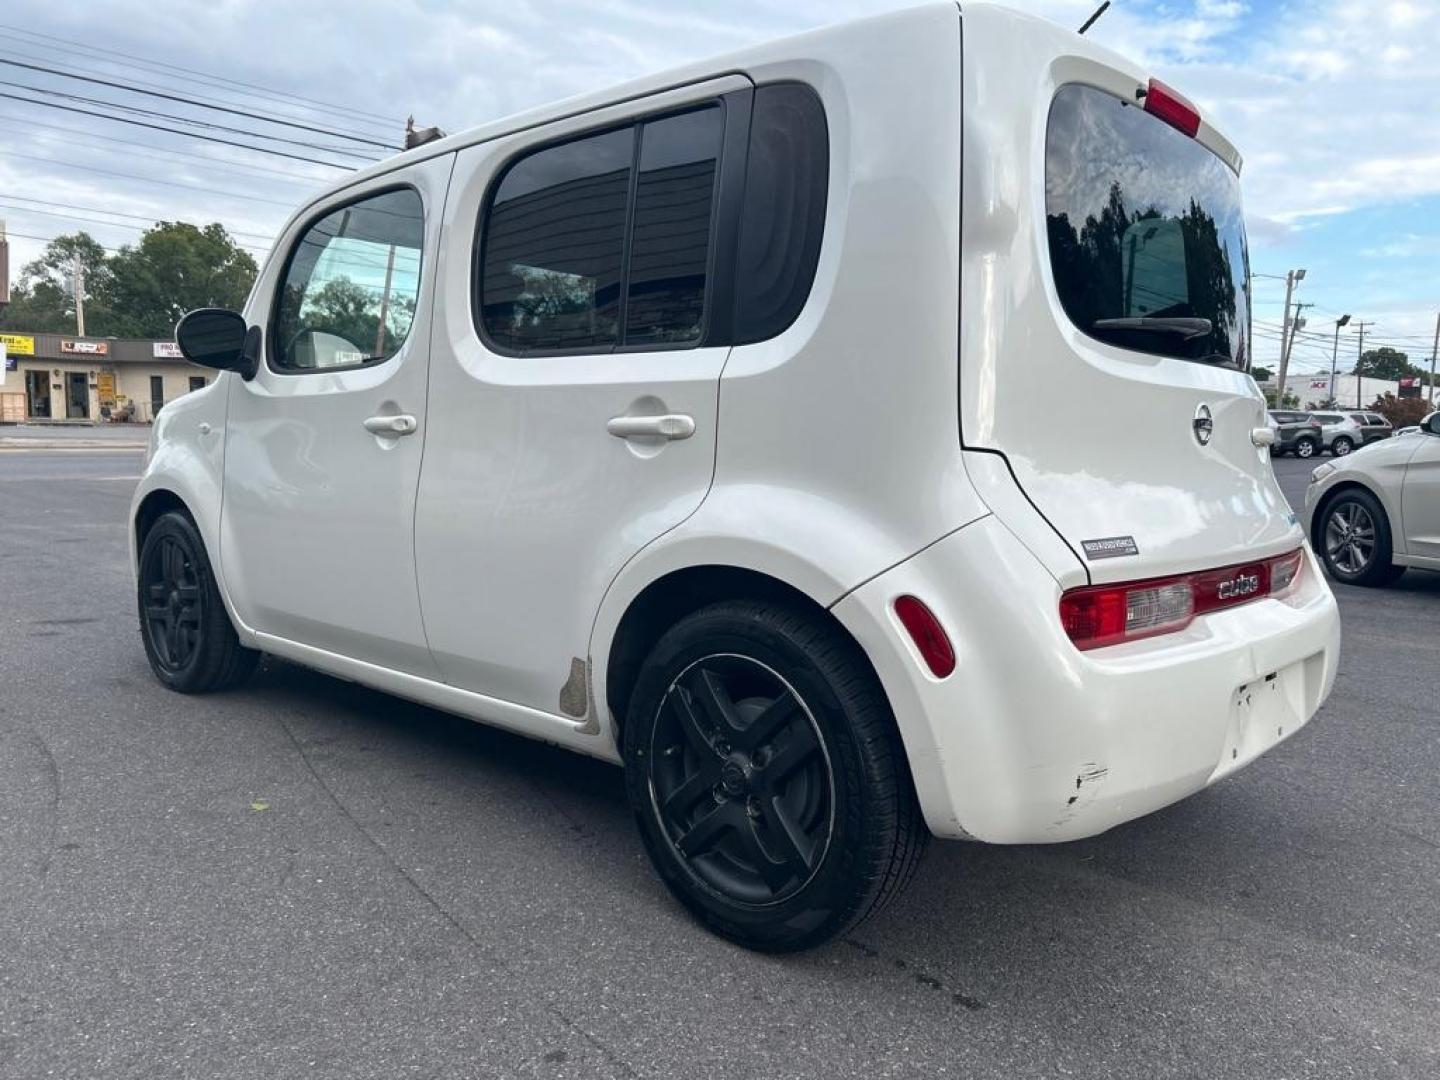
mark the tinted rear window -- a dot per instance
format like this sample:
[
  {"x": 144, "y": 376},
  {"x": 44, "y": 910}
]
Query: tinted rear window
[{"x": 1144, "y": 224}]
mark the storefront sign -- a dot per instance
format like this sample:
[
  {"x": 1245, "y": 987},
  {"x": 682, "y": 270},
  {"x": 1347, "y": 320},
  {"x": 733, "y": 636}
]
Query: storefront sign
[
  {"x": 18, "y": 345},
  {"x": 167, "y": 350},
  {"x": 105, "y": 386},
  {"x": 86, "y": 348}
]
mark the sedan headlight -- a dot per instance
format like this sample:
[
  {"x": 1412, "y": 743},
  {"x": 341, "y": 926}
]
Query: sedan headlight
[{"x": 1320, "y": 472}]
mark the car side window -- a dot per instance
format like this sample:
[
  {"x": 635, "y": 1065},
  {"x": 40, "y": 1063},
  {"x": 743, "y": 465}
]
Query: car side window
[
  {"x": 612, "y": 241},
  {"x": 350, "y": 286}
]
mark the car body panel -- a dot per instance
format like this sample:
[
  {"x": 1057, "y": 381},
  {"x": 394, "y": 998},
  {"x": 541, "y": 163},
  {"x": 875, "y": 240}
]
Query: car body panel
[{"x": 317, "y": 530}]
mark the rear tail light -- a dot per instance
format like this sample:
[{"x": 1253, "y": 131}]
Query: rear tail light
[
  {"x": 1100, "y": 615},
  {"x": 1171, "y": 107},
  {"x": 927, "y": 633}
]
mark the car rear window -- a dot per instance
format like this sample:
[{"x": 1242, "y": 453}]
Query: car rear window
[{"x": 1146, "y": 233}]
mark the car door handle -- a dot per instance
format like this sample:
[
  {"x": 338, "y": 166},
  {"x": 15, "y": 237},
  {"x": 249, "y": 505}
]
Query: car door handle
[
  {"x": 668, "y": 426},
  {"x": 391, "y": 425}
]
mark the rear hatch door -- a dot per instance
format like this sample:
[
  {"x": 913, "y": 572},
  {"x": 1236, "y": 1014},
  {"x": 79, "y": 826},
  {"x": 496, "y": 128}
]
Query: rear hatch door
[{"x": 1106, "y": 324}]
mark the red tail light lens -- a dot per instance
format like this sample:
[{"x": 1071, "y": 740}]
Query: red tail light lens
[
  {"x": 1171, "y": 107},
  {"x": 1100, "y": 615},
  {"x": 927, "y": 633}
]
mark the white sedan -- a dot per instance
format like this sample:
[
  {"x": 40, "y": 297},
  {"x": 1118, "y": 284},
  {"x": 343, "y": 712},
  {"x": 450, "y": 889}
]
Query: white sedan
[{"x": 1372, "y": 514}]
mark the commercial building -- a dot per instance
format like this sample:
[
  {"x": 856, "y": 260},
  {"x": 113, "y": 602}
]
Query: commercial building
[{"x": 62, "y": 378}]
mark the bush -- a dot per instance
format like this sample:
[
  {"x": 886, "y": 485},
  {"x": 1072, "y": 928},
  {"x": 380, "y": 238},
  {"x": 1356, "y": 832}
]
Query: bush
[{"x": 1402, "y": 412}]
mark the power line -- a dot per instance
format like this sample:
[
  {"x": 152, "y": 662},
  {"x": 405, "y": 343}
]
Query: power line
[
  {"x": 253, "y": 89},
  {"x": 151, "y": 219},
  {"x": 173, "y": 131},
  {"x": 192, "y": 121},
  {"x": 132, "y": 89},
  {"x": 223, "y": 164},
  {"x": 288, "y": 204},
  {"x": 188, "y": 82}
]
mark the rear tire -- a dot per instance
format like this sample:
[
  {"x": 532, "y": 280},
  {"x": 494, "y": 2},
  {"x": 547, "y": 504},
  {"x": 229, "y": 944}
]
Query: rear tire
[
  {"x": 1354, "y": 540},
  {"x": 1305, "y": 448},
  {"x": 1341, "y": 446},
  {"x": 189, "y": 641},
  {"x": 767, "y": 776}
]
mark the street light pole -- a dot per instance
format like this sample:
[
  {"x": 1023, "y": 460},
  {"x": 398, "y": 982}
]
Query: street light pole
[
  {"x": 1292, "y": 278},
  {"x": 1335, "y": 356},
  {"x": 1359, "y": 358}
]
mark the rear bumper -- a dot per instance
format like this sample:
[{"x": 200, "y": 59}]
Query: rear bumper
[{"x": 1032, "y": 741}]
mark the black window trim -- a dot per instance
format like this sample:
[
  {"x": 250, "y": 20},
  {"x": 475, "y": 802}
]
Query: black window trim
[
  {"x": 734, "y": 108},
  {"x": 272, "y": 338}
]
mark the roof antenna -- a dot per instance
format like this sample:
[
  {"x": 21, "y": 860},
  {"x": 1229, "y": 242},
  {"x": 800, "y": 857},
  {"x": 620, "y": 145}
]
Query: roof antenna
[{"x": 1091, "y": 21}]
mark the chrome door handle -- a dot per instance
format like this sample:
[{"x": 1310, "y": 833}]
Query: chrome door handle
[
  {"x": 669, "y": 426},
  {"x": 391, "y": 425},
  {"x": 1262, "y": 436}
]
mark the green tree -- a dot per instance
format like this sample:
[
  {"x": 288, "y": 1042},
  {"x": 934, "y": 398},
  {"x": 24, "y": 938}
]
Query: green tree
[
  {"x": 173, "y": 269},
  {"x": 1261, "y": 374},
  {"x": 43, "y": 299},
  {"x": 1385, "y": 363}
]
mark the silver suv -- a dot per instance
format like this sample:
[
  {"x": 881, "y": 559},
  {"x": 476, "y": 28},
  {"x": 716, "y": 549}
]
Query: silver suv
[{"x": 1342, "y": 432}]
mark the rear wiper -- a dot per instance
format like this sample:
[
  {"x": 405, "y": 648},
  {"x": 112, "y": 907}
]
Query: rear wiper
[{"x": 1179, "y": 326}]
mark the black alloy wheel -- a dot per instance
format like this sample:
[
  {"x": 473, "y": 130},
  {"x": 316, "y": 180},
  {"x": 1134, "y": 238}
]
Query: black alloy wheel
[
  {"x": 767, "y": 775},
  {"x": 1355, "y": 540},
  {"x": 173, "y": 603},
  {"x": 740, "y": 780},
  {"x": 188, "y": 637}
]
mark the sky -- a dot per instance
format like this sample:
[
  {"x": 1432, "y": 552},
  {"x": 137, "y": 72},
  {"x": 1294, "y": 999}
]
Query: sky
[{"x": 1331, "y": 103}]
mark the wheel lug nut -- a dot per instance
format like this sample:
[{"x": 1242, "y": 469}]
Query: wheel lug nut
[{"x": 752, "y": 807}]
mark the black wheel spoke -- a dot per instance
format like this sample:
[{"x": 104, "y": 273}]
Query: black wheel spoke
[
  {"x": 678, "y": 802},
  {"x": 157, "y": 611},
  {"x": 712, "y": 826},
  {"x": 801, "y": 746},
  {"x": 682, "y": 704},
  {"x": 769, "y": 723},
  {"x": 708, "y": 690},
  {"x": 788, "y": 841}
]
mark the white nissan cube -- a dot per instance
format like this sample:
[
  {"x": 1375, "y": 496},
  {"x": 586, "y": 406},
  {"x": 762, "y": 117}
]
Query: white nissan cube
[{"x": 736, "y": 425}]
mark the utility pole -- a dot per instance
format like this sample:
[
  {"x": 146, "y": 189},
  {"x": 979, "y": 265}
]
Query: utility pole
[
  {"x": 1334, "y": 359},
  {"x": 79, "y": 298},
  {"x": 1359, "y": 356},
  {"x": 1292, "y": 278},
  {"x": 1433, "y": 350}
]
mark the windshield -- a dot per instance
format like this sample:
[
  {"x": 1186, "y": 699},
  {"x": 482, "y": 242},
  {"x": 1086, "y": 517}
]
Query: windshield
[{"x": 1147, "y": 238}]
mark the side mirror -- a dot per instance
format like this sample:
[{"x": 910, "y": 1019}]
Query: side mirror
[
  {"x": 1432, "y": 423},
  {"x": 216, "y": 338}
]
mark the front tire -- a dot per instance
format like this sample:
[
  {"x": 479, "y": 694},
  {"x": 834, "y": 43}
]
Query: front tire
[
  {"x": 1355, "y": 540},
  {"x": 189, "y": 641},
  {"x": 767, "y": 777},
  {"x": 1305, "y": 448},
  {"x": 1341, "y": 446}
]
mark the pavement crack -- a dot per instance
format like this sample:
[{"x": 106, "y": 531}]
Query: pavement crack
[{"x": 559, "y": 1014}]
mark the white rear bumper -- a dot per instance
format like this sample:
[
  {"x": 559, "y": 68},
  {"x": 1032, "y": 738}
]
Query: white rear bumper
[{"x": 1032, "y": 741}]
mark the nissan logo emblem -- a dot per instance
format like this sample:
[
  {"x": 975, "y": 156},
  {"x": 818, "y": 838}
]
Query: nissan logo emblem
[{"x": 1203, "y": 424}]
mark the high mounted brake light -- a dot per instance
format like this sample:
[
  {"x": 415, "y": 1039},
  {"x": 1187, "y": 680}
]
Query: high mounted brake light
[
  {"x": 1171, "y": 107},
  {"x": 1099, "y": 615}
]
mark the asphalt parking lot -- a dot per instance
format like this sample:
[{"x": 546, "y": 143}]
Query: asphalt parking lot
[{"x": 306, "y": 878}]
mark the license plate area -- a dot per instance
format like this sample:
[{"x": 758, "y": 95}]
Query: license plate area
[{"x": 1263, "y": 712}]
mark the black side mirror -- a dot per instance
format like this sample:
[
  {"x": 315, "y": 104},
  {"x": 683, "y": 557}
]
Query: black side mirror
[
  {"x": 216, "y": 338},
  {"x": 1432, "y": 423}
]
